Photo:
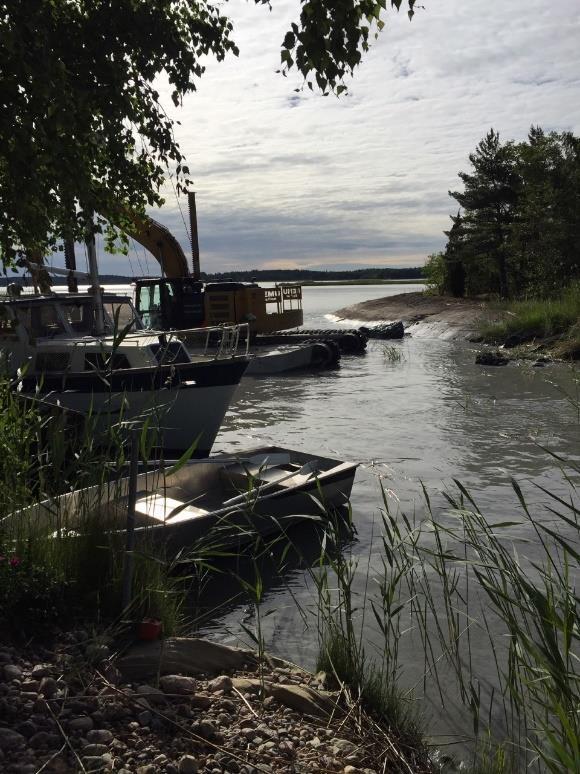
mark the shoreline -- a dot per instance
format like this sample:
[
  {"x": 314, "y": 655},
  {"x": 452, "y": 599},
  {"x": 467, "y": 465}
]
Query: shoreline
[
  {"x": 183, "y": 706},
  {"x": 423, "y": 314}
]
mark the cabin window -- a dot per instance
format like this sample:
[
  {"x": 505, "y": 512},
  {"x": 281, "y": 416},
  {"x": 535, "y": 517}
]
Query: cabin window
[
  {"x": 149, "y": 305},
  {"x": 41, "y": 321},
  {"x": 81, "y": 318},
  {"x": 52, "y": 361},
  {"x": 122, "y": 315},
  {"x": 99, "y": 361}
]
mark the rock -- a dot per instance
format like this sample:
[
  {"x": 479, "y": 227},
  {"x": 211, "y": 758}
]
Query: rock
[
  {"x": 178, "y": 684},
  {"x": 81, "y": 724},
  {"x": 200, "y": 702},
  {"x": 343, "y": 747},
  {"x": 222, "y": 683},
  {"x": 207, "y": 729},
  {"x": 12, "y": 672},
  {"x": 31, "y": 686},
  {"x": 394, "y": 330},
  {"x": 489, "y": 358},
  {"x": 96, "y": 652},
  {"x": 100, "y": 736},
  {"x": 48, "y": 687},
  {"x": 188, "y": 765},
  {"x": 27, "y": 728},
  {"x": 515, "y": 339},
  {"x": 153, "y": 695},
  {"x": 95, "y": 749},
  {"x": 303, "y": 699},
  {"x": 144, "y": 718},
  {"x": 41, "y": 670},
  {"x": 44, "y": 739},
  {"x": 5, "y": 657},
  {"x": 183, "y": 655},
  {"x": 10, "y": 740},
  {"x": 94, "y": 763}
]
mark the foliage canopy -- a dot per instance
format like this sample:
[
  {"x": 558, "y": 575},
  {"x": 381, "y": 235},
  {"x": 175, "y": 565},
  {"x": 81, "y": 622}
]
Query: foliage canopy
[
  {"x": 517, "y": 232},
  {"x": 82, "y": 129}
]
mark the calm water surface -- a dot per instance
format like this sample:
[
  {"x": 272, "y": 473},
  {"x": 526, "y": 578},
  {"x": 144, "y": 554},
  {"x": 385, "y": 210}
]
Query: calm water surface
[{"x": 429, "y": 418}]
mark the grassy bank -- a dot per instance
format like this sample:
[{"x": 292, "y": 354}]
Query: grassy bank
[{"x": 554, "y": 320}]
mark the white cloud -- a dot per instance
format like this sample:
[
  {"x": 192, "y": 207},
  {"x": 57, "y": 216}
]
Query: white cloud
[{"x": 298, "y": 179}]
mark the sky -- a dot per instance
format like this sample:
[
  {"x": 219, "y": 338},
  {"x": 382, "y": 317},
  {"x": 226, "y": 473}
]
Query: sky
[{"x": 298, "y": 180}]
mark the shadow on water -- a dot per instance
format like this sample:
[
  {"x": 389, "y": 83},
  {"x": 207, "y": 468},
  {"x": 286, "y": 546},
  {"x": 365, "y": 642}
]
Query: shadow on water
[{"x": 220, "y": 602}]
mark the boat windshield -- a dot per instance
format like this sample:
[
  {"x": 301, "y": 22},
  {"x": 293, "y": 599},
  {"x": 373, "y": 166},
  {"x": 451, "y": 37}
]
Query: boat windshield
[{"x": 118, "y": 315}]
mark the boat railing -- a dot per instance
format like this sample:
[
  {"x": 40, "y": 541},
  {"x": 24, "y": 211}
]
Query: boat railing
[{"x": 219, "y": 341}]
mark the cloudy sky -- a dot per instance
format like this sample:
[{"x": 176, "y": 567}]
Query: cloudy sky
[{"x": 286, "y": 179}]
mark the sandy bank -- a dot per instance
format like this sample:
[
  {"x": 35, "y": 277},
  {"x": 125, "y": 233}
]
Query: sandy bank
[{"x": 423, "y": 314}]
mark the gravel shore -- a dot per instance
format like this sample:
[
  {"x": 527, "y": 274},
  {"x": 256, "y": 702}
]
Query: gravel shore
[{"x": 70, "y": 709}]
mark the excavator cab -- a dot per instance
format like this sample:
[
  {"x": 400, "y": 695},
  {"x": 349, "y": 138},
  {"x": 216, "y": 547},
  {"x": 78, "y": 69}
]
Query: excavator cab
[{"x": 170, "y": 303}]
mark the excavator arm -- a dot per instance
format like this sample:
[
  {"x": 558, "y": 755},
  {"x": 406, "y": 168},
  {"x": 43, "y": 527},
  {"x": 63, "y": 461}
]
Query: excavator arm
[{"x": 161, "y": 244}]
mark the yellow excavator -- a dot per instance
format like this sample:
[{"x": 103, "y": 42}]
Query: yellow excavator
[{"x": 179, "y": 299}]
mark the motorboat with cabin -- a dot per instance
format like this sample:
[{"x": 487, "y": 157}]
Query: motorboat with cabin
[{"x": 98, "y": 359}]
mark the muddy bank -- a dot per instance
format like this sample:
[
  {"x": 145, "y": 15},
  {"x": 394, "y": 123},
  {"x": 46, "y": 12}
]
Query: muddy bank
[{"x": 424, "y": 314}]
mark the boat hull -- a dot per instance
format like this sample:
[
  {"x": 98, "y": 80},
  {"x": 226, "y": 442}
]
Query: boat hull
[{"x": 184, "y": 405}]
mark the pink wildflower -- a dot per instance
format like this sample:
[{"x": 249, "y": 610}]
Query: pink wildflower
[{"x": 15, "y": 561}]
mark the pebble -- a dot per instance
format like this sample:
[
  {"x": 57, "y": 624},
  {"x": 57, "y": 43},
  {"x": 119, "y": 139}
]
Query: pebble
[
  {"x": 12, "y": 672},
  {"x": 188, "y": 765},
  {"x": 81, "y": 724},
  {"x": 41, "y": 670},
  {"x": 100, "y": 736},
  {"x": 178, "y": 684},
  {"x": 10, "y": 739},
  {"x": 48, "y": 687},
  {"x": 222, "y": 683}
]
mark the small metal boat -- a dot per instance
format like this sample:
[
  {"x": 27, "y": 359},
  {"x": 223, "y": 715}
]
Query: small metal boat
[{"x": 227, "y": 499}]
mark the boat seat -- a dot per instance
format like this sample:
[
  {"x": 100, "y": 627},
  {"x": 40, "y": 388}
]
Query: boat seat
[
  {"x": 237, "y": 475},
  {"x": 157, "y": 508}
]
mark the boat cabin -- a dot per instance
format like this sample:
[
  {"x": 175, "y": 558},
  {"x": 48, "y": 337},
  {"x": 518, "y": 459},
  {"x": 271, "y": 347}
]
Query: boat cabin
[{"x": 57, "y": 333}]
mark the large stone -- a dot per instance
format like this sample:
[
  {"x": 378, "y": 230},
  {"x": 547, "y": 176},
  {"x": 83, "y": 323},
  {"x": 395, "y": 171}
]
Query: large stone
[
  {"x": 221, "y": 683},
  {"x": 183, "y": 655}
]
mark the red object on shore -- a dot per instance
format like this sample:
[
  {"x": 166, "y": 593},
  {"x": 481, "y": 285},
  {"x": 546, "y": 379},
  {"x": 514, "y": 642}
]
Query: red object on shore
[{"x": 149, "y": 629}]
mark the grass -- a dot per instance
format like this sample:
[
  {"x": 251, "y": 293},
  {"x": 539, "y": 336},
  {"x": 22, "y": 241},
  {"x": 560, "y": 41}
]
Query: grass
[
  {"x": 541, "y": 319},
  {"x": 392, "y": 353},
  {"x": 43, "y": 457}
]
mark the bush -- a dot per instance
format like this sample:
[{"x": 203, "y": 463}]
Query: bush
[{"x": 435, "y": 271}]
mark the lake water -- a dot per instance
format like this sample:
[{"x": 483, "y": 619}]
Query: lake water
[{"x": 431, "y": 417}]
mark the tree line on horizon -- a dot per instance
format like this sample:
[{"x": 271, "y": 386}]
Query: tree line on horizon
[
  {"x": 517, "y": 230},
  {"x": 269, "y": 275}
]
